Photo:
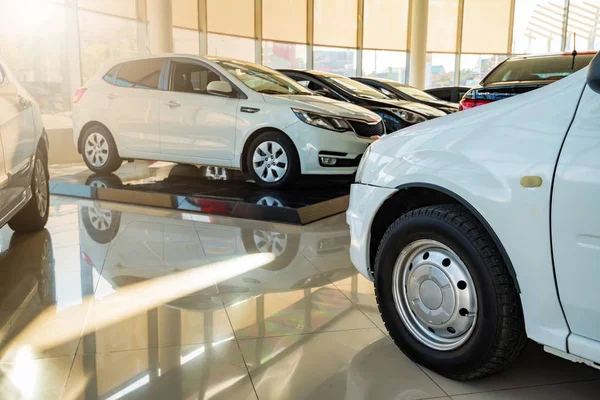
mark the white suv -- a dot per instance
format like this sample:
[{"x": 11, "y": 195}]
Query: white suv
[
  {"x": 483, "y": 228},
  {"x": 215, "y": 111}
]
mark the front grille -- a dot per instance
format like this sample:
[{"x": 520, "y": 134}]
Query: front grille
[{"x": 366, "y": 130}]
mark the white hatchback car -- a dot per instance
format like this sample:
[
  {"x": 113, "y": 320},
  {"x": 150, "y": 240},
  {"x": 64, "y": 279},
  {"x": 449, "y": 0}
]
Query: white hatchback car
[
  {"x": 483, "y": 229},
  {"x": 215, "y": 111}
]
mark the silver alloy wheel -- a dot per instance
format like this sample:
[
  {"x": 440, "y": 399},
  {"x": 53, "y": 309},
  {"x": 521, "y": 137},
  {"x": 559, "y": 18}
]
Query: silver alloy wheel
[
  {"x": 269, "y": 201},
  {"x": 96, "y": 149},
  {"x": 100, "y": 218},
  {"x": 98, "y": 184},
  {"x": 270, "y": 242},
  {"x": 270, "y": 161},
  {"x": 434, "y": 295},
  {"x": 41, "y": 187}
]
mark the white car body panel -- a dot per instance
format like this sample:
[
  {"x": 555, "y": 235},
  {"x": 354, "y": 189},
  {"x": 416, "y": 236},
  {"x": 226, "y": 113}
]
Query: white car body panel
[
  {"x": 480, "y": 155},
  {"x": 209, "y": 129}
]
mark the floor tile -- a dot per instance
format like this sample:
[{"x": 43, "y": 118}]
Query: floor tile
[
  {"x": 214, "y": 371},
  {"x": 180, "y": 322},
  {"x": 360, "y": 364},
  {"x": 294, "y": 312},
  {"x": 572, "y": 391},
  {"x": 534, "y": 367},
  {"x": 34, "y": 379}
]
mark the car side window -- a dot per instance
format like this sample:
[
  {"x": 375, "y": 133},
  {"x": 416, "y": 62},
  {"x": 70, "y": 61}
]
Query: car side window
[
  {"x": 315, "y": 86},
  {"x": 386, "y": 92},
  {"x": 142, "y": 74},
  {"x": 111, "y": 76},
  {"x": 191, "y": 77}
]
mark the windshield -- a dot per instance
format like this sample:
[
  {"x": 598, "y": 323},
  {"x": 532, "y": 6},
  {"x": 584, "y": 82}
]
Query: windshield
[
  {"x": 356, "y": 88},
  {"x": 412, "y": 92},
  {"x": 538, "y": 68},
  {"x": 262, "y": 79}
]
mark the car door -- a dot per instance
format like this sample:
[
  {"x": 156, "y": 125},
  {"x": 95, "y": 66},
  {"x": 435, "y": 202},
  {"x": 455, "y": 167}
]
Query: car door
[
  {"x": 195, "y": 124},
  {"x": 17, "y": 128},
  {"x": 575, "y": 223},
  {"x": 134, "y": 107}
]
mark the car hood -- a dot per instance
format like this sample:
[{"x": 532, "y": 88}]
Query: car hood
[{"x": 324, "y": 105}]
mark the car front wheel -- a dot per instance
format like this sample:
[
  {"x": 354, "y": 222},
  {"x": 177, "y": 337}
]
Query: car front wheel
[
  {"x": 445, "y": 295},
  {"x": 273, "y": 161},
  {"x": 100, "y": 151}
]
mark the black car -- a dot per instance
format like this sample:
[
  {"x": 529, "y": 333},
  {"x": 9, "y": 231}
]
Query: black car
[
  {"x": 521, "y": 74},
  {"x": 396, "y": 114},
  {"x": 452, "y": 94},
  {"x": 400, "y": 91}
]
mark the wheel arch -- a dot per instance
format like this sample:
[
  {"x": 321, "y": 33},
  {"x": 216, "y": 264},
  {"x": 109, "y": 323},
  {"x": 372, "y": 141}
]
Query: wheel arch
[
  {"x": 86, "y": 127},
  {"x": 250, "y": 139},
  {"x": 416, "y": 195}
]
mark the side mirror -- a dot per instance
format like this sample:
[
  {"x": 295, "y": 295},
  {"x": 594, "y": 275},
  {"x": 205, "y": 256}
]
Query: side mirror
[
  {"x": 593, "y": 75},
  {"x": 219, "y": 88}
]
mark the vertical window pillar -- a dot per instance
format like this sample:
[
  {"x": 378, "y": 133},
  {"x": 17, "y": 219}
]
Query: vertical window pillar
[
  {"x": 160, "y": 26},
  {"x": 418, "y": 43}
]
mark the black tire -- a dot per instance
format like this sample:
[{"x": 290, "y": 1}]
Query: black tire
[
  {"x": 34, "y": 215},
  {"x": 101, "y": 231},
  {"x": 113, "y": 160},
  {"x": 292, "y": 173},
  {"x": 285, "y": 247},
  {"x": 498, "y": 335}
]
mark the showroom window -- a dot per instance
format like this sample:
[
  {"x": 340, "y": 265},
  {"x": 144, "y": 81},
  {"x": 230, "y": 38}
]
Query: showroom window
[
  {"x": 104, "y": 38},
  {"x": 284, "y": 55},
  {"x": 485, "y": 26},
  {"x": 584, "y": 22},
  {"x": 186, "y": 41},
  {"x": 336, "y": 23},
  {"x": 284, "y": 20},
  {"x": 474, "y": 67},
  {"x": 384, "y": 64},
  {"x": 440, "y": 70},
  {"x": 335, "y": 60},
  {"x": 239, "y": 48},
  {"x": 385, "y": 24},
  {"x": 442, "y": 26},
  {"x": 537, "y": 26},
  {"x": 34, "y": 46},
  {"x": 118, "y": 8},
  {"x": 143, "y": 74},
  {"x": 231, "y": 17}
]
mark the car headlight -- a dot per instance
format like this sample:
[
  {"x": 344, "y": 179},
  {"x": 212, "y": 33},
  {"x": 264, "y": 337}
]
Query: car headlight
[
  {"x": 409, "y": 116},
  {"x": 321, "y": 121},
  {"x": 361, "y": 165}
]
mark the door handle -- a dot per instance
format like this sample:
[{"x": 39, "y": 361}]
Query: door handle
[
  {"x": 112, "y": 96},
  {"x": 173, "y": 104},
  {"x": 23, "y": 102}
]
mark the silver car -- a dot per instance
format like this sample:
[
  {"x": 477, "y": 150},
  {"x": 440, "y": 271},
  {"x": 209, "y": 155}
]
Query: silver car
[{"x": 24, "y": 195}]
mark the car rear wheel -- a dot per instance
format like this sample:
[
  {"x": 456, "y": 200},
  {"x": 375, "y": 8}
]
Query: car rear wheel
[
  {"x": 35, "y": 214},
  {"x": 445, "y": 295},
  {"x": 99, "y": 150},
  {"x": 273, "y": 161}
]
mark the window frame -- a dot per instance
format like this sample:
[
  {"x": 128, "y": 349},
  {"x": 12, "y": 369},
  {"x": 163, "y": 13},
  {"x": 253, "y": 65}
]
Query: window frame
[
  {"x": 120, "y": 67},
  {"x": 167, "y": 78}
]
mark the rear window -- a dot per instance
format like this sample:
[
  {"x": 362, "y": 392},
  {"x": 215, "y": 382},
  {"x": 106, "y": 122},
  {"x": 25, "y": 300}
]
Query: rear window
[
  {"x": 143, "y": 74},
  {"x": 111, "y": 76},
  {"x": 538, "y": 68}
]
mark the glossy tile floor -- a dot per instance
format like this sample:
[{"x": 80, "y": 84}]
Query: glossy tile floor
[{"x": 118, "y": 302}]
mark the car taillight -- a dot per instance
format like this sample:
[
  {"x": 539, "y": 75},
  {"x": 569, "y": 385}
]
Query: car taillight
[
  {"x": 79, "y": 94},
  {"x": 470, "y": 103}
]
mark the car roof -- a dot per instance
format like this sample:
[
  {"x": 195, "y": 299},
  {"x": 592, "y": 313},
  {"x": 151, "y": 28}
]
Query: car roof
[{"x": 550, "y": 55}]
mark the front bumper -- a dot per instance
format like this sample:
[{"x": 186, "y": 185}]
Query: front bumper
[
  {"x": 311, "y": 141},
  {"x": 365, "y": 201}
]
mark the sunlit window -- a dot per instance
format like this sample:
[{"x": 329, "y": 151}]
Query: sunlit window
[
  {"x": 583, "y": 28},
  {"x": 442, "y": 26},
  {"x": 186, "y": 41},
  {"x": 538, "y": 26},
  {"x": 336, "y": 22},
  {"x": 384, "y": 64},
  {"x": 235, "y": 47},
  {"x": 386, "y": 24},
  {"x": 284, "y": 20},
  {"x": 474, "y": 67},
  {"x": 335, "y": 60},
  {"x": 439, "y": 70},
  {"x": 284, "y": 55},
  {"x": 485, "y": 26}
]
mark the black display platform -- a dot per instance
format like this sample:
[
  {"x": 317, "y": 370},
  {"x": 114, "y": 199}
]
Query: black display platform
[{"x": 210, "y": 190}]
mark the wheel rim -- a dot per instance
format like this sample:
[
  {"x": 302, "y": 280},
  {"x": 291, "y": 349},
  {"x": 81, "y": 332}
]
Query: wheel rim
[
  {"x": 269, "y": 201},
  {"x": 41, "y": 187},
  {"x": 270, "y": 161},
  {"x": 96, "y": 150},
  {"x": 270, "y": 242},
  {"x": 434, "y": 295},
  {"x": 100, "y": 219},
  {"x": 98, "y": 184}
]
